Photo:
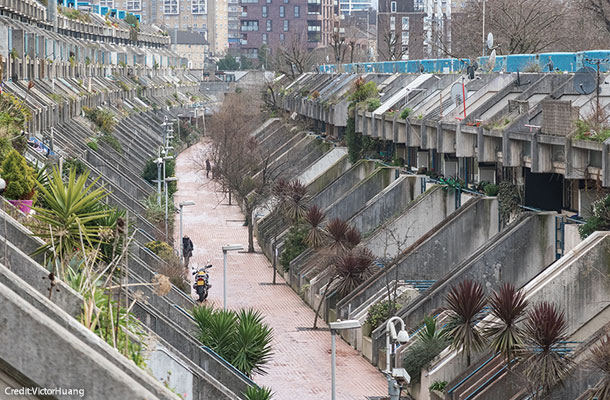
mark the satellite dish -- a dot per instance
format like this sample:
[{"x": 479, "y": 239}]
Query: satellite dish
[
  {"x": 491, "y": 63},
  {"x": 458, "y": 94},
  {"x": 421, "y": 68},
  {"x": 585, "y": 80},
  {"x": 490, "y": 40}
]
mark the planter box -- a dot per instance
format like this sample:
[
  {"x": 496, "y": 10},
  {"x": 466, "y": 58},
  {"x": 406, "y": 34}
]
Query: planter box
[{"x": 367, "y": 347}]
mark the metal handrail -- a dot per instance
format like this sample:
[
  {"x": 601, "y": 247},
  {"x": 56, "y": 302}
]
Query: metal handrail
[
  {"x": 227, "y": 364},
  {"x": 460, "y": 383}
]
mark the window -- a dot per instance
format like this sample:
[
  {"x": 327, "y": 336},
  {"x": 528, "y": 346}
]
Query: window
[
  {"x": 297, "y": 12},
  {"x": 405, "y": 23},
  {"x": 285, "y": 25},
  {"x": 404, "y": 39},
  {"x": 249, "y": 26},
  {"x": 392, "y": 23},
  {"x": 281, "y": 37},
  {"x": 198, "y": 7},
  {"x": 265, "y": 38},
  {"x": 268, "y": 1},
  {"x": 264, "y": 11},
  {"x": 393, "y": 6},
  {"x": 268, "y": 25},
  {"x": 282, "y": 12},
  {"x": 170, "y": 7},
  {"x": 134, "y": 5}
]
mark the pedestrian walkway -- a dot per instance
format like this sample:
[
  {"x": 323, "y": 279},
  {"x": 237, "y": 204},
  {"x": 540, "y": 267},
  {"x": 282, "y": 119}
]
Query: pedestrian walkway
[{"x": 300, "y": 368}]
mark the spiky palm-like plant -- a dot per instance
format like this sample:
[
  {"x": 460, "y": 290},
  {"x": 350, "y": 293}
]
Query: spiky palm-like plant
[
  {"x": 296, "y": 197},
  {"x": 430, "y": 331},
  {"x": 337, "y": 230},
  {"x": 72, "y": 214},
  {"x": 314, "y": 218},
  {"x": 545, "y": 328},
  {"x": 465, "y": 303},
  {"x": 258, "y": 393},
  {"x": 353, "y": 269},
  {"x": 352, "y": 237},
  {"x": 508, "y": 306},
  {"x": 242, "y": 338},
  {"x": 599, "y": 360}
]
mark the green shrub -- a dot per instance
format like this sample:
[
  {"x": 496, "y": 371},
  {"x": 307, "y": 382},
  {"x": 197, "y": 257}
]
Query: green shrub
[
  {"x": 74, "y": 163},
  {"x": 172, "y": 268},
  {"x": 92, "y": 145},
  {"x": 379, "y": 313},
  {"x": 295, "y": 245},
  {"x": 258, "y": 393},
  {"x": 19, "y": 177},
  {"x": 111, "y": 141},
  {"x": 123, "y": 86},
  {"x": 438, "y": 385},
  {"x": 404, "y": 114},
  {"x": 599, "y": 219},
  {"x": 240, "y": 337},
  {"x": 491, "y": 190},
  {"x": 420, "y": 354},
  {"x": 161, "y": 249},
  {"x": 103, "y": 119},
  {"x": 372, "y": 104}
]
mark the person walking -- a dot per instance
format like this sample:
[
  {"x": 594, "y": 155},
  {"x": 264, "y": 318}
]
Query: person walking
[
  {"x": 187, "y": 250},
  {"x": 208, "y": 167}
]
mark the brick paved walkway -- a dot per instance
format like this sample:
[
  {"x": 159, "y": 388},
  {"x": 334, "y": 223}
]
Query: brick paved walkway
[{"x": 300, "y": 368}]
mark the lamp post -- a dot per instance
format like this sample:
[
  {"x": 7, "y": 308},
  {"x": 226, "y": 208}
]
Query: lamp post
[
  {"x": 182, "y": 205},
  {"x": 165, "y": 180},
  {"x": 402, "y": 337},
  {"x": 225, "y": 250},
  {"x": 337, "y": 326}
]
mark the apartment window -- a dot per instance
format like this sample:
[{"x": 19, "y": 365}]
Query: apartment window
[
  {"x": 249, "y": 1},
  {"x": 281, "y": 37},
  {"x": 392, "y": 6},
  {"x": 404, "y": 39},
  {"x": 170, "y": 7},
  {"x": 285, "y": 1},
  {"x": 265, "y": 38},
  {"x": 268, "y": 1},
  {"x": 392, "y": 23},
  {"x": 249, "y": 26},
  {"x": 134, "y": 5},
  {"x": 264, "y": 11},
  {"x": 107, "y": 3},
  {"x": 198, "y": 7},
  {"x": 282, "y": 12},
  {"x": 405, "y": 23},
  {"x": 285, "y": 25},
  {"x": 297, "y": 12},
  {"x": 269, "y": 25}
]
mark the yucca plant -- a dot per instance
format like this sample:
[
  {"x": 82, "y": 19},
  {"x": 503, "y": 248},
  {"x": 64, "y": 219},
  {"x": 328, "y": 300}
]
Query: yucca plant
[
  {"x": 314, "y": 218},
  {"x": 465, "y": 302},
  {"x": 430, "y": 331},
  {"x": 508, "y": 307},
  {"x": 337, "y": 230},
  {"x": 599, "y": 360},
  {"x": 71, "y": 219},
  {"x": 258, "y": 393},
  {"x": 242, "y": 338},
  {"x": 545, "y": 328},
  {"x": 295, "y": 201},
  {"x": 353, "y": 269},
  {"x": 352, "y": 237}
]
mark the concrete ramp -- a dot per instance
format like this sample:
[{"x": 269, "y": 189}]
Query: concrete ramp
[{"x": 578, "y": 284}]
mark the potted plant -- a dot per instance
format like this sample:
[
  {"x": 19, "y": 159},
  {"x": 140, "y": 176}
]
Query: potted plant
[{"x": 20, "y": 181}]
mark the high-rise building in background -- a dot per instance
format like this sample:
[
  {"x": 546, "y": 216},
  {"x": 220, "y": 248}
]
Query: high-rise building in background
[
  {"x": 277, "y": 23},
  {"x": 348, "y": 7},
  {"x": 413, "y": 29}
]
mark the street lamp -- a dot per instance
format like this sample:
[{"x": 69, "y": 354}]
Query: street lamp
[
  {"x": 182, "y": 205},
  {"x": 165, "y": 180},
  {"x": 402, "y": 337},
  {"x": 337, "y": 326},
  {"x": 225, "y": 249}
]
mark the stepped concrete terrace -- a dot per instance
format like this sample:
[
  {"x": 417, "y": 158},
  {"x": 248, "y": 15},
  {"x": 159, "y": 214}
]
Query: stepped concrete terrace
[
  {"x": 573, "y": 283},
  {"x": 516, "y": 254},
  {"x": 390, "y": 201},
  {"x": 356, "y": 181},
  {"x": 165, "y": 316}
]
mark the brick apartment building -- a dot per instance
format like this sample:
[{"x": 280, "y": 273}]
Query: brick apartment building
[
  {"x": 413, "y": 29},
  {"x": 276, "y": 22}
]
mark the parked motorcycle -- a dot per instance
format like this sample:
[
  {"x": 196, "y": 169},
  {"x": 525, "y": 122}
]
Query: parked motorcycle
[{"x": 202, "y": 284}]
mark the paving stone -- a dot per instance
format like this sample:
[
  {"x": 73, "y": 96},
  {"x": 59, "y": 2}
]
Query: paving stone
[{"x": 300, "y": 367}]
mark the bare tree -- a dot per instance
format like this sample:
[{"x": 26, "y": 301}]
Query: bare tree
[
  {"x": 240, "y": 164},
  {"x": 391, "y": 47},
  {"x": 293, "y": 58}
]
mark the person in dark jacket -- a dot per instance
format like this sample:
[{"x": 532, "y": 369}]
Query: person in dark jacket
[
  {"x": 208, "y": 167},
  {"x": 187, "y": 250}
]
